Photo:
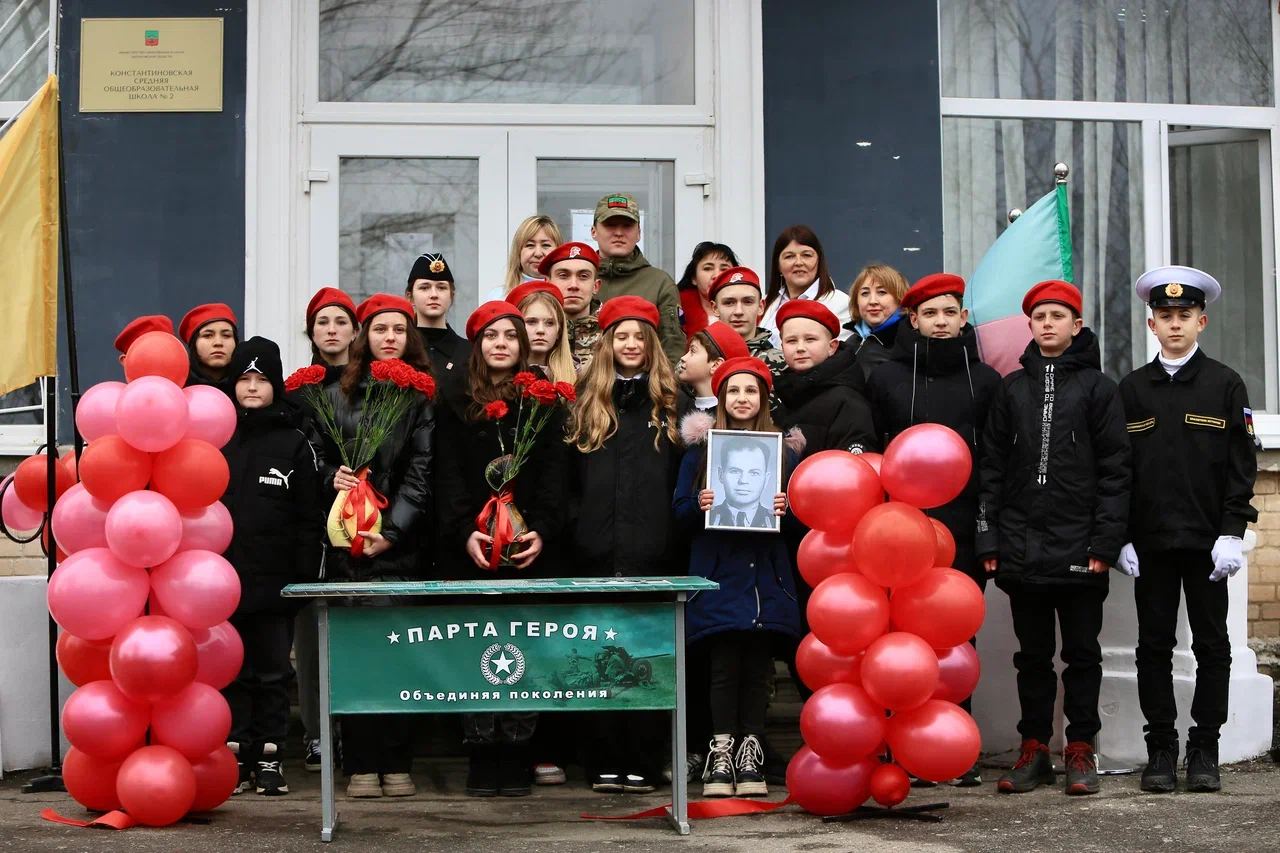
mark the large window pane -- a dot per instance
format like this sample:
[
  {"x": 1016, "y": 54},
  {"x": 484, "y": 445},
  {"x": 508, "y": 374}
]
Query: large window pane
[
  {"x": 16, "y": 406},
  {"x": 536, "y": 52},
  {"x": 24, "y": 76},
  {"x": 393, "y": 209},
  {"x": 1153, "y": 51},
  {"x": 569, "y": 189},
  {"x": 990, "y": 166}
]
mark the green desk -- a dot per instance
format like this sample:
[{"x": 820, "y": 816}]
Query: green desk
[{"x": 481, "y": 648}]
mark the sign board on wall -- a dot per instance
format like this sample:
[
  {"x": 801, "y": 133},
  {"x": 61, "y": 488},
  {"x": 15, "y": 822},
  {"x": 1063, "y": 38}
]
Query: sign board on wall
[{"x": 150, "y": 65}]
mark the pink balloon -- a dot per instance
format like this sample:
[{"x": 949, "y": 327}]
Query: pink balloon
[
  {"x": 156, "y": 785},
  {"x": 927, "y": 465},
  {"x": 102, "y": 722},
  {"x": 93, "y": 595},
  {"x": 211, "y": 416},
  {"x": 198, "y": 588},
  {"x": 216, "y": 777},
  {"x": 823, "y": 788},
  {"x": 153, "y": 657},
  {"x": 219, "y": 654},
  {"x": 937, "y": 741},
  {"x": 206, "y": 529},
  {"x": 96, "y": 411},
  {"x": 842, "y": 723},
  {"x": 195, "y": 721},
  {"x": 18, "y": 517},
  {"x": 143, "y": 528},
  {"x": 959, "y": 669},
  {"x": 79, "y": 520},
  {"x": 899, "y": 671},
  {"x": 151, "y": 414}
]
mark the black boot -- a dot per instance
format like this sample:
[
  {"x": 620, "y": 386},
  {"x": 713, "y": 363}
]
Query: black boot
[
  {"x": 1033, "y": 769},
  {"x": 1202, "y": 768},
  {"x": 1082, "y": 768},
  {"x": 513, "y": 770},
  {"x": 1161, "y": 773},
  {"x": 482, "y": 771}
]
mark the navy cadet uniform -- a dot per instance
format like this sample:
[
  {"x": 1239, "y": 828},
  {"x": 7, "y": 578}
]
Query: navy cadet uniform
[
  {"x": 1194, "y": 463},
  {"x": 447, "y": 350}
]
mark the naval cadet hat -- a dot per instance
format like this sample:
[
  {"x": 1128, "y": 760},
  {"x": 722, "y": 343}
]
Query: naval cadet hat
[
  {"x": 1177, "y": 287},
  {"x": 431, "y": 266}
]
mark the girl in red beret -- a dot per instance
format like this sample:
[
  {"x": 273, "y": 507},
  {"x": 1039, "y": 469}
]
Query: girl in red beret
[
  {"x": 211, "y": 333},
  {"x": 550, "y": 349},
  {"x": 331, "y": 328},
  {"x": 624, "y": 432}
]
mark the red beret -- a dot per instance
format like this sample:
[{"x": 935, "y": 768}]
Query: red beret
[
  {"x": 380, "y": 302},
  {"x": 139, "y": 326},
  {"x": 938, "y": 284},
  {"x": 621, "y": 308},
  {"x": 733, "y": 275},
  {"x": 743, "y": 364},
  {"x": 729, "y": 342},
  {"x": 327, "y": 296},
  {"x": 524, "y": 291},
  {"x": 810, "y": 309},
  {"x": 202, "y": 315},
  {"x": 486, "y": 314},
  {"x": 1052, "y": 291},
  {"x": 569, "y": 251}
]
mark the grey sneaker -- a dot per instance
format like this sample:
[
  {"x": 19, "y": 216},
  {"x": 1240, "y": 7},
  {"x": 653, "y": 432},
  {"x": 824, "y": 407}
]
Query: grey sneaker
[{"x": 313, "y": 757}]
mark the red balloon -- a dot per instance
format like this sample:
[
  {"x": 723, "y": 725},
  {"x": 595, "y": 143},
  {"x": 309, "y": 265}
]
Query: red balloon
[
  {"x": 937, "y": 741},
  {"x": 111, "y": 467},
  {"x": 153, "y": 657},
  {"x": 192, "y": 474},
  {"x": 846, "y": 612},
  {"x": 156, "y": 785},
  {"x": 198, "y": 588},
  {"x": 842, "y": 723},
  {"x": 823, "y": 788},
  {"x": 899, "y": 671},
  {"x": 216, "y": 777},
  {"x": 823, "y": 554},
  {"x": 894, "y": 544},
  {"x": 959, "y": 669},
  {"x": 82, "y": 661},
  {"x": 872, "y": 459},
  {"x": 193, "y": 721},
  {"x": 90, "y": 781},
  {"x": 67, "y": 462},
  {"x": 31, "y": 481},
  {"x": 946, "y": 608},
  {"x": 818, "y": 666},
  {"x": 832, "y": 489},
  {"x": 890, "y": 785},
  {"x": 927, "y": 465},
  {"x": 101, "y": 721},
  {"x": 93, "y": 595},
  {"x": 157, "y": 354},
  {"x": 945, "y": 552},
  {"x": 219, "y": 654}
]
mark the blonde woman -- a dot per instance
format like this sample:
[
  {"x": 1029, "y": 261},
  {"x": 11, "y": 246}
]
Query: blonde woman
[
  {"x": 532, "y": 241},
  {"x": 875, "y": 300},
  {"x": 542, "y": 305}
]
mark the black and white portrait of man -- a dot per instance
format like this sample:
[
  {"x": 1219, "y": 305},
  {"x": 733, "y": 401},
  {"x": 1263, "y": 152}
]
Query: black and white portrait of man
[{"x": 743, "y": 470}]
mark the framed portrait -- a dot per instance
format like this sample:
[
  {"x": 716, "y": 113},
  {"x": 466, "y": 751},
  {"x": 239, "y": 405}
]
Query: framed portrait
[{"x": 744, "y": 469}]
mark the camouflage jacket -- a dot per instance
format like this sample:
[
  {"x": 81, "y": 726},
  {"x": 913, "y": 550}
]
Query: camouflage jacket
[
  {"x": 585, "y": 333},
  {"x": 761, "y": 346}
]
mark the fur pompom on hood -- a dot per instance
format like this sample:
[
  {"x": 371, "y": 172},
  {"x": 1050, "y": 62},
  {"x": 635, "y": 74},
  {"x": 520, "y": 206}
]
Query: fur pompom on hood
[{"x": 695, "y": 426}]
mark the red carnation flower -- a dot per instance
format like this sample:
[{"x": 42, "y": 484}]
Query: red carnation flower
[
  {"x": 566, "y": 391},
  {"x": 495, "y": 411},
  {"x": 380, "y": 371},
  {"x": 524, "y": 379},
  {"x": 423, "y": 383},
  {"x": 402, "y": 374},
  {"x": 312, "y": 374},
  {"x": 544, "y": 392}
]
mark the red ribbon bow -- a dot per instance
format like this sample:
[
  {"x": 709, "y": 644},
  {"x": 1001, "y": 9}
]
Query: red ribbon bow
[
  {"x": 503, "y": 533},
  {"x": 355, "y": 508}
]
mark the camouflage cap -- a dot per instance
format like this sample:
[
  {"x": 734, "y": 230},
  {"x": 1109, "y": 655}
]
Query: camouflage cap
[{"x": 617, "y": 204}]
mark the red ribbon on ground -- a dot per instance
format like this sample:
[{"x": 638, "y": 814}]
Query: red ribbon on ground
[
  {"x": 111, "y": 820},
  {"x": 503, "y": 533},
  {"x": 354, "y": 507},
  {"x": 703, "y": 809}
]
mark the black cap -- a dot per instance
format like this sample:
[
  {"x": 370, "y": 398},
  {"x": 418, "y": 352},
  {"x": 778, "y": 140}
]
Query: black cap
[
  {"x": 429, "y": 266},
  {"x": 1176, "y": 295},
  {"x": 259, "y": 355}
]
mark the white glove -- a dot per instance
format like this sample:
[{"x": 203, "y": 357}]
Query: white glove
[
  {"x": 1228, "y": 557},
  {"x": 1128, "y": 561}
]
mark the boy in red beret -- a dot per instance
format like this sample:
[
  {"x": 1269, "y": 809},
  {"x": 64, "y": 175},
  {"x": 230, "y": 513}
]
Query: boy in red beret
[
  {"x": 575, "y": 269},
  {"x": 1052, "y": 514}
]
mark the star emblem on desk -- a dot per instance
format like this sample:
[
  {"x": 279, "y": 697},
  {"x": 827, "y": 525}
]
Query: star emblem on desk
[
  {"x": 393, "y": 637},
  {"x": 610, "y": 634},
  {"x": 502, "y": 663}
]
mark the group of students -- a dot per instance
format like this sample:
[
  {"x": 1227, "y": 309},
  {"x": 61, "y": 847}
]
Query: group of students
[{"x": 1072, "y": 476}]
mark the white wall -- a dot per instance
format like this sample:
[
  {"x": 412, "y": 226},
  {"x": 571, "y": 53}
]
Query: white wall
[{"x": 24, "y": 674}]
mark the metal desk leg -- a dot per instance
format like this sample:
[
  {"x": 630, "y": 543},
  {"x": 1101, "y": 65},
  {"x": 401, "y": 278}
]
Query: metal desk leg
[
  {"x": 679, "y": 811},
  {"x": 328, "y": 808}
]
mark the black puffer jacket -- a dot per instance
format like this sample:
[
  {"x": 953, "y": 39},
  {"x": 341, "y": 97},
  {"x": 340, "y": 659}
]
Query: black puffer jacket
[
  {"x": 449, "y": 353},
  {"x": 274, "y": 500},
  {"x": 401, "y": 472},
  {"x": 621, "y": 495},
  {"x": 1055, "y": 470},
  {"x": 539, "y": 493},
  {"x": 875, "y": 349},
  {"x": 938, "y": 381},
  {"x": 828, "y": 406}
]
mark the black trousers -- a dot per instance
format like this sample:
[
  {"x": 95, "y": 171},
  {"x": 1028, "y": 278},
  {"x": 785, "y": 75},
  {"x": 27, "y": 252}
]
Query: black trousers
[
  {"x": 1164, "y": 577},
  {"x": 741, "y": 670},
  {"x": 697, "y": 701},
  {"x": 377, "y": 743},
  {"x": 259, "y": 697},
  {"x": 512, "y": 727},
  {"x": 1079, "y": 617},
  {"x": 626, "y": 742}
]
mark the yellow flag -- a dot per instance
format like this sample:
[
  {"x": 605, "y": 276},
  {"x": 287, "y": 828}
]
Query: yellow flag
[{"x": 29, "y": 242}]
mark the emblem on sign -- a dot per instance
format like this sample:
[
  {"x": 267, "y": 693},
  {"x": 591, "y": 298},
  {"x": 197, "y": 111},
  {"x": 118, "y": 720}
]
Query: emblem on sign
[
  {"x": 1173, "y": 291},
  {"x": 502, "y": 663}
]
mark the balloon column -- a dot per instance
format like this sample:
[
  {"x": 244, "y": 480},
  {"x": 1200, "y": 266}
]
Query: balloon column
[
  {"x": 888, "y": 656},
  {"x": 142, "y": 523}
]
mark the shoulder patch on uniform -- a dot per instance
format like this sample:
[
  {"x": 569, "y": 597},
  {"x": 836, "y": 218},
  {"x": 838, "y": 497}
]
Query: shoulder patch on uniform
[
  {"x": 1141, "y": 426},
  {"x": 1248, "y": 420},
  {"x": 1205, "y": 421}
]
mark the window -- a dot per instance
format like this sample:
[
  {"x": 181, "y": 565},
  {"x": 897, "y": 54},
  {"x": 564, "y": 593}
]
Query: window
[{"x": 24, "y": 60}]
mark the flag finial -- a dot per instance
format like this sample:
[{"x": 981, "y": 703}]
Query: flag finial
[{"x": 1060, "y": 172}]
